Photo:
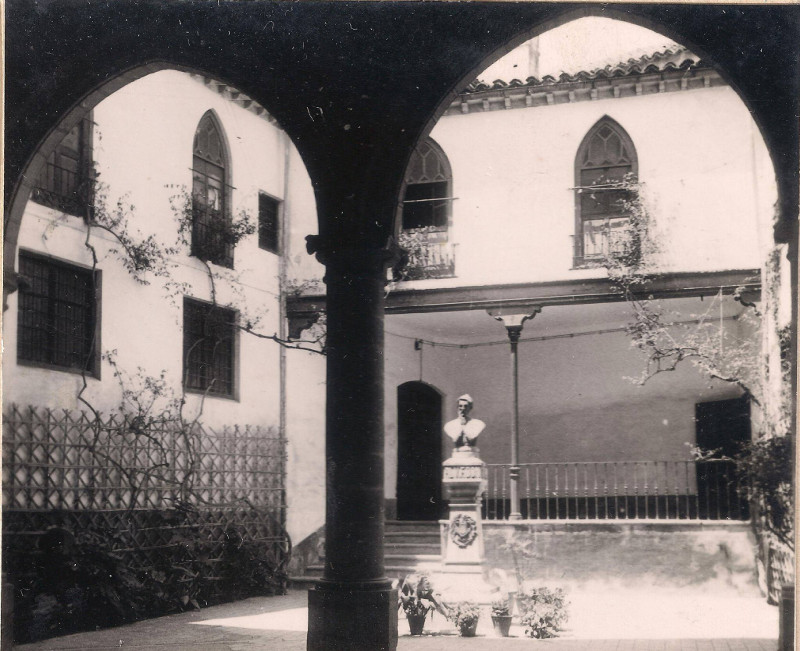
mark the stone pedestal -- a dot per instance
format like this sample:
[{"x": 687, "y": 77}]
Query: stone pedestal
[
  {"x": 462, "y": 575},
  {"x": 464, "y": 480}
]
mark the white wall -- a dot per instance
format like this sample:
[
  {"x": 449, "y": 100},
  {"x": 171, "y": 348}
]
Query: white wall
[
  {"x": 305, "y": 407},
  {"x": 708, "y": 183},
  {"x": 143, "y": 152}
]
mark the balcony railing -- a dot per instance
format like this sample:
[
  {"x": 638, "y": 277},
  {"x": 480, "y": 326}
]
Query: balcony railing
[
  {"x": 62, "y": 189},
  {"x": 426, "y": 254},
  {"x": 602, "y": 239},
  {"x": 211, "y": 236},
  {"x": 619, "y": 490}
]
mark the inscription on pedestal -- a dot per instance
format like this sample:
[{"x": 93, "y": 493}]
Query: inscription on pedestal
[{"x": 463, "y": 472}]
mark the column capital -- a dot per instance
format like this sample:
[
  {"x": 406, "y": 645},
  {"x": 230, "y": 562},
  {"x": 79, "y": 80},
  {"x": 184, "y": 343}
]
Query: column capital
[
  {"x": 513, "y": 318},
  {"x": 357, "y": 259}
]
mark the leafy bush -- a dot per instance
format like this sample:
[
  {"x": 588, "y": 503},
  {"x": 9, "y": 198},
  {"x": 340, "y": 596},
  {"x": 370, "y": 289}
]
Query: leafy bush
[
  {"x": 415, "y": 595},
  {"x": 75, "y": 579},
  {"x": 544, "y": 612},
  {"x": 464, "y": 615}
]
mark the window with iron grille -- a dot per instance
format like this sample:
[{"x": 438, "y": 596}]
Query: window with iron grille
[
  {"x": 269, "y": 230},
  {"x": 211, "y": 237},
  {"x": 57, "y": 318},
  {"x": 65, "y": 182},
  {"x": 606, "y": 163},
  {"x": 427, "y": 200},
  {"x": 423, "y": 237},
  {"x": 209, "y": 338}
]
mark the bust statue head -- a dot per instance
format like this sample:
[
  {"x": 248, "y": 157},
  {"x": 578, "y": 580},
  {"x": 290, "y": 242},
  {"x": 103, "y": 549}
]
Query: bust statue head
[
  {"x": 464, "y": 430},
  {"x": 464, "y": 406}
]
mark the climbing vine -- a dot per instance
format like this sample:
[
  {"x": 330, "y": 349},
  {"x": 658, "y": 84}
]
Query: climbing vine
[{"x": 765, "y": 464}]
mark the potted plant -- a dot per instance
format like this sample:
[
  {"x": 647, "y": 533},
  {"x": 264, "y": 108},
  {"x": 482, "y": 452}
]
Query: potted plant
[
  {"x": 501, "y": 617},
  {"x": 415, "y": 597},
  {"x": 465, "y": 616},
  {"x": 544, "y": 611}
]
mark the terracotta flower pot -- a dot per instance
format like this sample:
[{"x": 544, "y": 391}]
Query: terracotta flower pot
[
  {"x": 468, "y": 630},
  {"x": 416, "y": 623},
  {"x": 502, "y": 625}
]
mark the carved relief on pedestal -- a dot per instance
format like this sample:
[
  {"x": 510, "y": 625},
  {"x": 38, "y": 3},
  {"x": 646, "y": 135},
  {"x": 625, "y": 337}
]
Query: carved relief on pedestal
[{"x": 463, "y": 530}]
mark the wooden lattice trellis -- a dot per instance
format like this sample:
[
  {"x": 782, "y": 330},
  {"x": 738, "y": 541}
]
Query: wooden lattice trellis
[
  {"x": 154, "y": 489},
  {"x": 778, "y": 562},
  {"x": 71, "y": 461}
]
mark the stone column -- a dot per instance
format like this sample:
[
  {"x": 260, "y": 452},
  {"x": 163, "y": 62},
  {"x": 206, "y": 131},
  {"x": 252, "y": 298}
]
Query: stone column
[{"x": 353, "y": 607}]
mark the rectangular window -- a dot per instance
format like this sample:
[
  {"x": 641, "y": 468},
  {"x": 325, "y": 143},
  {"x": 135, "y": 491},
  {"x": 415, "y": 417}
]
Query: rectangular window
[
  {"x": 65, "y": 180},
  {"x": 209, "y": 336},
  {"x": 57, "y": 314},
  {"x": 269, "y": 229}
]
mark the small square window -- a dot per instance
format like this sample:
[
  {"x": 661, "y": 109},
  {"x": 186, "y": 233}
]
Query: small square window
[
  {"x": 269, "y": 229},
  {"x": 209, "y": 338},
  {"x": 57, "y": 314}
]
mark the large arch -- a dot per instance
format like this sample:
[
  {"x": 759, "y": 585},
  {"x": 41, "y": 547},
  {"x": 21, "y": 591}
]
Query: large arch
[
  {"x": 355, "y": 85},
  {"x": 342, "y": 102}
]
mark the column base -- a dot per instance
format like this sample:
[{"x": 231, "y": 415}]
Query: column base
[{"x": 352, "y": 616}]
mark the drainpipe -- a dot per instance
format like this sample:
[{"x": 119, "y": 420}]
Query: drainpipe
[{"x": 283, "y": 253}]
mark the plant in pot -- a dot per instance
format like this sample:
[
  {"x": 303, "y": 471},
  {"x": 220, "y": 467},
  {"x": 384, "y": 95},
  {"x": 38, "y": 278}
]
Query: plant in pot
[
  {"x": 544, "y": 611},
  {"x": 465, "y": 617},
  {"x": 415, "y": 597},
  {"x": 501, "y": 617}
]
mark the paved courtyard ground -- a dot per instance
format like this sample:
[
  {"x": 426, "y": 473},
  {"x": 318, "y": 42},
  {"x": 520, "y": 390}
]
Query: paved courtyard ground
[{"x": 619, "y": 621}]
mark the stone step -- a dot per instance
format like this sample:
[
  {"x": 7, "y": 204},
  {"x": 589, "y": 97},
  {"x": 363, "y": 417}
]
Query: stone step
[
  {"x": 416, "y": 547},
  {"x": 396, "y": 559},
  {"x": 409, "y": 546},
  {"x": 403, "y": 542},
  {"x": 303, "y": 582},
  {"x": 392, "y": 526},
  {"x": 407, "y": 561}
]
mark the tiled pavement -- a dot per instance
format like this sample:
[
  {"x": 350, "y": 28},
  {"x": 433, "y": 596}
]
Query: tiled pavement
[{"x": 622, "y": 621}]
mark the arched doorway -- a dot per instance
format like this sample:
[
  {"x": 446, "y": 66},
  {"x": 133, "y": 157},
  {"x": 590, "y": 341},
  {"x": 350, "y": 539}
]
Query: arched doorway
[{"x": 419, "y": 452}]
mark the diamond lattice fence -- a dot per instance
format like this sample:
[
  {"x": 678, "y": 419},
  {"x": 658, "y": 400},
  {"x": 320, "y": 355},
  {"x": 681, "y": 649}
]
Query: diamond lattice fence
[{"x": 158, "y": 495}]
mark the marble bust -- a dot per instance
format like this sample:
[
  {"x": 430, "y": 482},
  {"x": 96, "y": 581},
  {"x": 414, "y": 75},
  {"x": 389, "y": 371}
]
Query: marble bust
[{"x": 464, "y": 431}]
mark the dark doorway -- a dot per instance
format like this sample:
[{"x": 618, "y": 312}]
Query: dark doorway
[
  {"x": 723, "y": 426},
  {"x": 419, "y": 452}
]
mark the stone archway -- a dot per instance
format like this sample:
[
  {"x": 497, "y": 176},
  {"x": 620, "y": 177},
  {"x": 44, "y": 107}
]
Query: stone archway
[{"x": 355, "y": 94}]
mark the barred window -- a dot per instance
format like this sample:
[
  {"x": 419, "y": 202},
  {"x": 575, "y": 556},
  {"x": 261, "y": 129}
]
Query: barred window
[
  {"x": 211, "y": 240},
  {"x": 268, "y": 223},
  {"x": 209, "y": 335},
  {"x": 57, "y": 313},
  {"x": 65, "y": 180},
  {"x": 427, "y": 200},
  {"x": 606, "y": 160}
]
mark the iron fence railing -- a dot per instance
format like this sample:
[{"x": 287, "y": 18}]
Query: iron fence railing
[
  {"x": 63, "y": 189},
  {"x": 430, "y": 260},
  {"x": 616, "y": 490}
]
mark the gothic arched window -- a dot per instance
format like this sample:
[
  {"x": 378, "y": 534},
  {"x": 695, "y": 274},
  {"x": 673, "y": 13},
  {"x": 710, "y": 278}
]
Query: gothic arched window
[
  {"x": 426, "y": 202},
  {"x": 210, "y": 218},
  {"x": 426, "y": 216},
  {"x": 605, "y": 167}
]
